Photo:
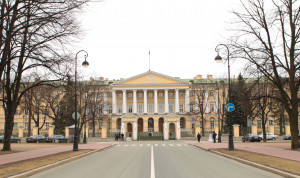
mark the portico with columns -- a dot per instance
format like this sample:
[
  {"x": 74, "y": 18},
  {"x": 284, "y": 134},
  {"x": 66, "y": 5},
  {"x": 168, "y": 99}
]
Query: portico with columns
[{"x": 150, "y": 96}]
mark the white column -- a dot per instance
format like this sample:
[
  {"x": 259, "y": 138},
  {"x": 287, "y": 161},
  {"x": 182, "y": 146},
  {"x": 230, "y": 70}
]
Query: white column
[
  {"x": 176, "y": 100},
  {"x": 145, "y": 102},
  {"x": 166, "y": 131},
  {"x": 155, "y": 101},
  {"x": 134, "y": 102},
  {"x": 123, "y": 127},
  {"x": 178, "y": 132},
  {"x": 166, "y": 101},
  {"x": 206, "y": 102},
  {"x": 105, "y": 102},
  {"x": 187, "y": 100},
  {"x": 124, "y": 102},
  {"x": 135, "y": 130},
  {"x": 197, "y": 94},
  {"x": 114, "y": 102}
]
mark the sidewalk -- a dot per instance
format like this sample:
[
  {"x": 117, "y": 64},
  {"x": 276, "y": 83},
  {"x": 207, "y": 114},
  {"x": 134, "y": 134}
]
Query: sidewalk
[
  {"x": 262, "y": 149},
  {"x": 20, "y": 156}
]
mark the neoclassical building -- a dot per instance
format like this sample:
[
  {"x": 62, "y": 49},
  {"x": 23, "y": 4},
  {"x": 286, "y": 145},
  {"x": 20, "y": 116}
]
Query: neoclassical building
[
  {"x": 152, "y": 104},
  {"x": 157, "y": 104}
]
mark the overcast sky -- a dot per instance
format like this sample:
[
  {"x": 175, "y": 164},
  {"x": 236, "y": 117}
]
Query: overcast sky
[{"x": 181, "y": 35}]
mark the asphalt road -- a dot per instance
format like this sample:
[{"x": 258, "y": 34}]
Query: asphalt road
[{"x": 161, "y": 159}]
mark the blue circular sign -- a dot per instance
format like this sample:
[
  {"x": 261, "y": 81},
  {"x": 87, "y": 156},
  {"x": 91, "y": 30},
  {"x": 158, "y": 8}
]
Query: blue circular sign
[{"x": 230, "y": 107}]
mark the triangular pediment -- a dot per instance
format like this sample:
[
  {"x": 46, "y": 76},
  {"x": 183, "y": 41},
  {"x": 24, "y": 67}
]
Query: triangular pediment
[{"x": 151, "y": 78}]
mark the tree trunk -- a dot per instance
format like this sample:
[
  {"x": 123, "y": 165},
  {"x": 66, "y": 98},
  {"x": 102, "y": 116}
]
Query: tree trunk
[{"x": 9, "y": 124}]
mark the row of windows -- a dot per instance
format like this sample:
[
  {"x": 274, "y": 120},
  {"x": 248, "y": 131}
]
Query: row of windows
[
  {"x": 161, "y": 94},
  {"x": 140, "y": 108}
]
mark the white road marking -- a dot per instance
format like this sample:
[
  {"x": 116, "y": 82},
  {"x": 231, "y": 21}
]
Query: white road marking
[
  {"x": 163, "y": 145},
  {"x": 186, "y": 145},
  {"x": 178, "y": 145},
  {"x": 141, "y": 144},
  {"x": 155, "y": 144},
  {"x": 148, "y": 144},
  {"x": 171, "y": 145},
  {"x": 132, "y": 145},
  {"x": 152, "y": 164},
  {"x": 125, "y": 145}
]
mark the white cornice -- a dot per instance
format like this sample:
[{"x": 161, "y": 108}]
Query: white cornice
[{"x": 149, "y": 72}]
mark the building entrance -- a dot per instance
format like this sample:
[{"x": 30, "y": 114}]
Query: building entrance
[
  {"x": 172, "y": 133},
  {"x": 129, "y": 130}
]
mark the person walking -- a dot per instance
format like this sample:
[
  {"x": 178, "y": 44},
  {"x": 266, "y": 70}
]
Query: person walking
[
  {"x": 198, "y": 137},
  {"x": 122, "y": 135},
  {"x": 214, "y": 136}
]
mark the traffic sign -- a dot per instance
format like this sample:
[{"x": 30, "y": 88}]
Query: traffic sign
[
  {"x": 230, "y": 107},
  {"x": 78, "y": 115}
]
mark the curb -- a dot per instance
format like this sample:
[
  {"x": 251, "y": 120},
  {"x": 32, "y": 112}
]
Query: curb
[
  {"x": 253, "y": 164},
  {"x": 32, "y": 171}
]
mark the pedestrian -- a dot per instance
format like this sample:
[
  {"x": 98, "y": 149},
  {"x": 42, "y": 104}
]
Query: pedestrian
[
  {"x": 116, "y": 137},
  {"x": 214, "y": 136},
  {"x": 122, "y": 135},
  {"x": 198, "y": 137},
  {"x": 119, "y": 136}
]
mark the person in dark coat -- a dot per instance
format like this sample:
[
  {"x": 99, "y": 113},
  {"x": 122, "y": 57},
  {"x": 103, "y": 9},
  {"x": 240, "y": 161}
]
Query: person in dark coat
[
  {"x": 122, "y": 135},
  {"x": 198, "y": 137},
  {"x": 116, "y": 137},
  {"x": 119, "y": 136},
  {"x": 214, "y": 136}
]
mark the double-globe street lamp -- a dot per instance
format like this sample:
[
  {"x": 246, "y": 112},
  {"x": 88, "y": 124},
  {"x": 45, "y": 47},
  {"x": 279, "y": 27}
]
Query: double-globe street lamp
[
  {"x": 218, "y": 59},
  {"x": 84, "y": 64}
]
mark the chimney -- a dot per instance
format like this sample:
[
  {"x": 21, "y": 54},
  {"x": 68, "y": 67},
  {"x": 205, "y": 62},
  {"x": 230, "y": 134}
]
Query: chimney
[
  {"x": 198, "y": 76},
  {"x": 101, "y": 78},
  {"x": 209, "y": 76}
]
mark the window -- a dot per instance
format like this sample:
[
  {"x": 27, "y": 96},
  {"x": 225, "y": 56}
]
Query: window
[
  {"x": 212, "y": 107},
  {"x": 181, "y": 108},
  {"x": 15, "y": 126},
  {"x": 110, "y": 95},
  {"x": 160, "y": 94},
  {"x": 180, "y": 94},
  {"x": 258, "y": 123},
  {"x": 120, "y": 108},
  {"x": 271, "y": 122},
  {"x": 129, "y": 108},
  {"x": 191, "y": 94},
  {"x": 212, "y": 124},
  {"x": 140, "y": 95},
  {"x": 171, "y": 108},
  {"x": 211, "y": 93},
  {"x": 140, "y": 108},
  {"x": 150, "y": 95},
  {"x": 90, "y": 126},
  {"x": 200, "y": 124},
  {"x": 109, "y": 109},
  {"x": 100, "y": 125},
  {"x": 201, "y": 93},
  {"x": 47, "y": 126},
  {"x": 150, "y": 108},
  {"x": 25, "y": 126},
  {"x": 129, "y": 95},
  {"x": 160, "y": 108},
  {"x": 191, "y": 107},
  {"x": 120, "y": 95},
  {"x": 170, "y": 94}
]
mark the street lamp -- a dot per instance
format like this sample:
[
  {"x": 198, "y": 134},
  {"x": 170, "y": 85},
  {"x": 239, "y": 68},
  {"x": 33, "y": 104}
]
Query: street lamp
[
  {"x": 84, "y": 64},
  {"x": 218, "y": 59},
  {"x": 219, "y": 125},
  {"x": 85, "y": 115}
]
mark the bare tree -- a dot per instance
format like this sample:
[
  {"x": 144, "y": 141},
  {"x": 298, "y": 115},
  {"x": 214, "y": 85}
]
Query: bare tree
[
  {"x": 33, "y": 39},
  {"x": 268, "y": 38}
]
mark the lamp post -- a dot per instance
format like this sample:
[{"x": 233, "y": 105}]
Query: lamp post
[
  {"x": 85, "y": 115},
  {"x": 84, "y": 64},
  {"x": 219, "y": 125},
  {"x": 218, "y": 59}
]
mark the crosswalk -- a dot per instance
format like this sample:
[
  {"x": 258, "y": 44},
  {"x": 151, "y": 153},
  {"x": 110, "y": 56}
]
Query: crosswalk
[{"x": 149, "y": 145}]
